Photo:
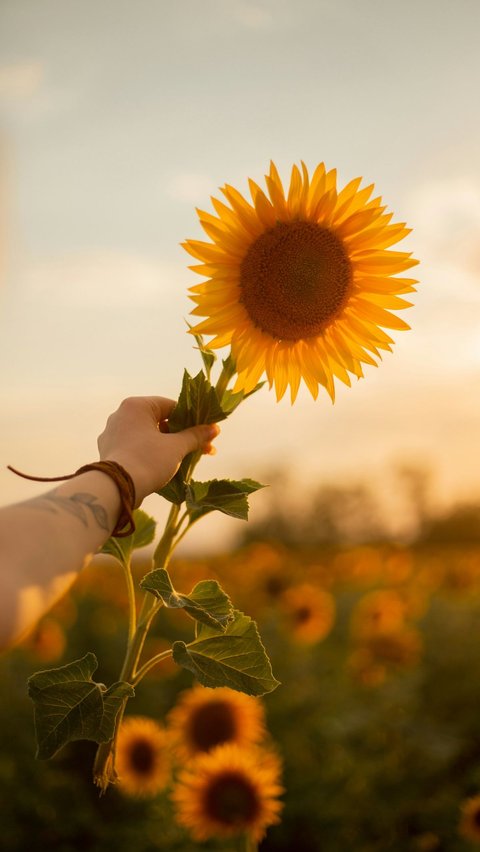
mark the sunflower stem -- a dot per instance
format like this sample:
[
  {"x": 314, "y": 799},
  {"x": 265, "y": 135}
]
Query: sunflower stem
[
  {"x": 153, "y": 661},
  {"x": 104, "y": 767},
  {"x": 228, "y": 370},
  {"x": 132, "y": 607},
  {"x": 250, "y": 844}
]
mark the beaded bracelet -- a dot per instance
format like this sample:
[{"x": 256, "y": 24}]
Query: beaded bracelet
[{"x": 123, "y": 481}]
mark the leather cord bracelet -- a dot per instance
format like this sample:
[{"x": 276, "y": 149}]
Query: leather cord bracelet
[{"x": 122, "y": 479}]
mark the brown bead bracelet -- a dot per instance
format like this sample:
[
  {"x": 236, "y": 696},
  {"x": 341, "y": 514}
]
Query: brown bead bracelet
[{"x": 124, "y": 482}]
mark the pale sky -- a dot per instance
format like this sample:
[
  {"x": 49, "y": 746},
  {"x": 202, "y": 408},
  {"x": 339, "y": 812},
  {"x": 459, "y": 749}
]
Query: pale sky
[{"x": 118, "y": 118}]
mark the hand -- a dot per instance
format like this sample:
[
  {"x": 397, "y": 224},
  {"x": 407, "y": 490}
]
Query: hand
[{"x": 136, "y": 436}]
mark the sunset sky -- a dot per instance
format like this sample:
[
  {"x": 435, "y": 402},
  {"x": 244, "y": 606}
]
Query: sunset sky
[{"x": 119, "y": 118}]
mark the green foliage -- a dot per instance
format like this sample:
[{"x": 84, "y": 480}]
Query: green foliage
[
  {"x": 198, "y": 403},
  {"x": 175, "y": 490},
  {"x": 144, "y": 534},
  {"x": 69, "y": 705},
  {"x": 226, "y": 495},
  {"x": 206, "y": 603},
  {"x": 208, "y": 357},
  {"x": 235, "y": 658},
  {"x": 231, "y": 400}
]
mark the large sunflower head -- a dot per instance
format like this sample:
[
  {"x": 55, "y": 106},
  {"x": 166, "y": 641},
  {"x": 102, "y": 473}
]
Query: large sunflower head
[
  {"x": 229, "y": 791},
  {"x": 142, "y": 757},
  {"x": 301, "y": 283},
  {"x": 205, "y": 718}
]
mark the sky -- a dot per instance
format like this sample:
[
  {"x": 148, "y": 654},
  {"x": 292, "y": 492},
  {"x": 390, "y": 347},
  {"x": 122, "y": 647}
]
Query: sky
[{"x": 117, "y": 119}]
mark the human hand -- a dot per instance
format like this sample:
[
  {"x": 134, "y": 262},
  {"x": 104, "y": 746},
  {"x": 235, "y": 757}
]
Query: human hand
[{"x": 136, "y": 437}]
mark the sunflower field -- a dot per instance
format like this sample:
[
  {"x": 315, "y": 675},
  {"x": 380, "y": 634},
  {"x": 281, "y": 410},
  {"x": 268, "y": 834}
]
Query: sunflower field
[{"x": 371, "y": 742}]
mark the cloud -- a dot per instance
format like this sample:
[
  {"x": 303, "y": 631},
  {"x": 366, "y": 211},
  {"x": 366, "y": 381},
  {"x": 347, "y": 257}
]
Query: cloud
[
  {"x": 21, "y": 81},
  {"x": 101, "y": 278}
]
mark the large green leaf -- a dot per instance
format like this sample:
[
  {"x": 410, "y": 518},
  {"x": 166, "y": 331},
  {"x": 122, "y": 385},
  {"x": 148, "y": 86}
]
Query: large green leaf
[
  {"x": 198, "y": 403},
  {"x": 207, "y": 602},
  {"x": 69, "y": 705},
  {"x": 144, "y": 534},
  {"x": 235, "y": 658},
  {"x": 175, "y": 490},
  {"x": 226, "y": 495}
]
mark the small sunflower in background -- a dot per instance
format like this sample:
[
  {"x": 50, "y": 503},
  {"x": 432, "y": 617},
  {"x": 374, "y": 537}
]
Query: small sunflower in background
[
  {"x": 301, "y": 283},
  {"x": 229, "y": 791},
  {"x": 379, "y": 612},
  {"x": 142, "y": 757},
  {"x": 204, "y": 718},
  {"x": 470, "y": 819},
  {"x": 309, "y": 612},
  {"x": 382, "y": 653}
]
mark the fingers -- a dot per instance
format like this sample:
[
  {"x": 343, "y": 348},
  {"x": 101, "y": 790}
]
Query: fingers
[
  {"x": 160, "y": 406},
  {"x": 195, "y": 438}
]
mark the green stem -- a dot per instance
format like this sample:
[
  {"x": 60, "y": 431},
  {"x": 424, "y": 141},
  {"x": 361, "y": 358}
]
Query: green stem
[
  {"x": 104, "y": 767},
  {"x": 132, "y": 608},
  {"x": 164, "y": 547},
  {"x": 228, "y": 370},
  {"x": 140, "y": 674},
  {"x": 251, "y": 844}
]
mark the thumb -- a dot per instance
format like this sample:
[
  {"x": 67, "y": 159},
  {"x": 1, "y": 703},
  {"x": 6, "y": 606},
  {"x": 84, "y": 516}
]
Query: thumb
[{"x": 195, "y": 438}]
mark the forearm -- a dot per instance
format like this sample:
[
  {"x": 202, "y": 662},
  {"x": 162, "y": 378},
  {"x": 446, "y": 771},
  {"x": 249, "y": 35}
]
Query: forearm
[{"x": 46, "y": 541}]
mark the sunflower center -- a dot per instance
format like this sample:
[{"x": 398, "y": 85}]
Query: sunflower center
[
  {"x": 232, "y": 800},
  {"x": 294, "y": 279},
  {"x": 303, "y": 614},
  {"x": 141, "y": 757},
  {"x": 212, "y": 724}
]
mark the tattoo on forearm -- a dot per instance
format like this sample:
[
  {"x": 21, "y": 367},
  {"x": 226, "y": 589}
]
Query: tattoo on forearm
[{"x": 79, "y": 505}]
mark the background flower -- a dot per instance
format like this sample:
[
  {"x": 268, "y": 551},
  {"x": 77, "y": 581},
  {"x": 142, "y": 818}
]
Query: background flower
[
  {"x": 229, "y": 791},
  {"x": 204, "y": 718}
]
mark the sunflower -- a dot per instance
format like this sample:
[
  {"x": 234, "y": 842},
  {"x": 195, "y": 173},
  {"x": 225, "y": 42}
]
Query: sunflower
[
  {"x": 142, "y": 759},
  {"x": 229, "y": 791},
  {"x": 470, "y": 820},
  {"x": 394, "y": 650},
  {"x": 309, "y": 612},
  {"x": 300, "y": 284},
  {"x": 378, "y": 613},
  {"x": 204, "y": 718}
]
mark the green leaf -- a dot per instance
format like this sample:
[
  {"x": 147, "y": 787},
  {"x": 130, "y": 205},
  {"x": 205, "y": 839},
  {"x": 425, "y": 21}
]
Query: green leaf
[
  {"x": 207, "y": 602},
  {"x": 231, "y": 401},
  {"x": 236, "y": 658},
  {"x": 69, "y": 705},
  {"x": 208, "y": 357},
  {"x": 175, "y": 490},
  {"x": 144, "y": 534},
  {"x": 198, "y": 403},
  {"x": 226, "y": 495}
]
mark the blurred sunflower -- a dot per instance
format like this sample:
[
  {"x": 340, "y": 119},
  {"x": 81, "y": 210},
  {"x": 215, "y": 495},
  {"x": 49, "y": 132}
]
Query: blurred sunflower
[
  {"x": 309, "y": 612},
  {"x": 205, "y": 718},
  {"x": 142, "y": 758},
  {"x": 381, "y": 652},
  {"x": 300, "y": 283},
  {"x": 379, "y": 612},
  {"x": 229, "y": 791},
  {"x": 470, "y": 820}
]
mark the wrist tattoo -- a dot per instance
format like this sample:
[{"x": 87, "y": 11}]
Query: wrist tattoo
[{"x": 79, "y": 505}]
